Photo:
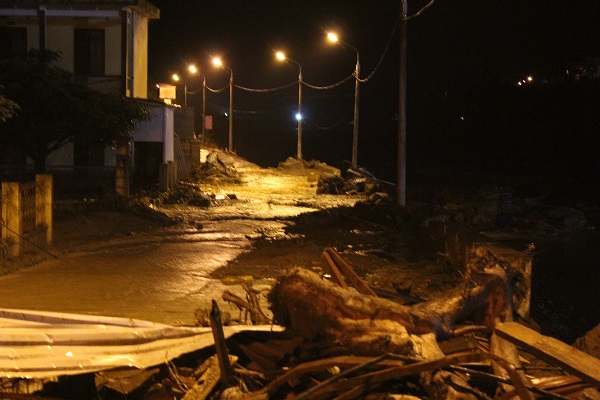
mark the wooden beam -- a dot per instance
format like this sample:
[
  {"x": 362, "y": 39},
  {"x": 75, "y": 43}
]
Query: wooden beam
[
  {"x": 552, "y": 351},
  {"x": 335, "y": 272},
  {"x": 350, "y": 274}
]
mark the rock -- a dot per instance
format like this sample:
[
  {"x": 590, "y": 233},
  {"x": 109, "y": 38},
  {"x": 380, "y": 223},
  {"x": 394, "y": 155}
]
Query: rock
[
  {"x": 590, "y": 342},
  {"x": 226, "y": 159},
  {"x": 330, "y": 184},
  {"x": 567, "y": 219},
  {"x": 291, "y": 163}
]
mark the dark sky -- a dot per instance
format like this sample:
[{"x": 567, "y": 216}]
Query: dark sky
[
  {"x": 454, "y": 45},
  {"x": 467, "y": 36}
]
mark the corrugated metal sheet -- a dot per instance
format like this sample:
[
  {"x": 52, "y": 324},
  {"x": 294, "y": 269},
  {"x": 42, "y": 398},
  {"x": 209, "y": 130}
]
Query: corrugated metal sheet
[{"x": 36, "y": 345}]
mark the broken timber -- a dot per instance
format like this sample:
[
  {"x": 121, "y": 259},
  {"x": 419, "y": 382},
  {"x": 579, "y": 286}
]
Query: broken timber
[
  {"x": 221, "y": 345},
  {"x": 336, "y": 262},
  {"x": 552, "y": 351}
]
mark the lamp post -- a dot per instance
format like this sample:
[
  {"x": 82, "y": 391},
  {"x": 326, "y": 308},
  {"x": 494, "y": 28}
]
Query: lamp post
[
  {"x": 217, "y": 61},
  {"x": 282, "y": 57},
  {"x": 177, "y": 78},
  {"x": 194, "y": 70},
  {"x": 335, "y": 39},
  {"x": 401, "y": 174}
]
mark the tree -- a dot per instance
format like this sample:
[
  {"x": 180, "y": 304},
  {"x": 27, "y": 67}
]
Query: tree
[
  {"x": 7, "y": 108},
  {"x": 56, "y": 108}
]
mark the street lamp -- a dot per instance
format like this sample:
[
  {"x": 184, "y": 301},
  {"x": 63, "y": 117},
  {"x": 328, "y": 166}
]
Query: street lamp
[
  {"x": 177, "y": 78},
  {"x": 219, "y": 63},
  {"x": 282, "y": 57},
  {"x": 335, "y": 39},
  {"x": 192, "y": 68}
]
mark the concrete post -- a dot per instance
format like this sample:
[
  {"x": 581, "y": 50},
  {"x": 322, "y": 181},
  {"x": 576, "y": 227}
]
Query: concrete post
[
  {"x": 123, "y": 170},
  {"x": 44, "y": 195},
  {"x": 163, "y": 177},
  {"x": 195, "y": 147},
  {"x": 172, "y": 174},
  {"x": 12, "y": 229}
]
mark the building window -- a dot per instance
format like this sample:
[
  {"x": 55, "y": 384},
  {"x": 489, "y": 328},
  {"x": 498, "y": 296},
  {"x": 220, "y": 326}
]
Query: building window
[
  {"x": 89, "y": 52},
  {"x": 13, "y": 41}
]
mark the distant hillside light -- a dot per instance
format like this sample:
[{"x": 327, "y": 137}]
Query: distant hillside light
[{"x": 529, "y": 78}]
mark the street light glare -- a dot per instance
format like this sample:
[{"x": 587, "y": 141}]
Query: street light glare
[
  {"x": 332, "y": 37},
  {"x": 280, "y": 56},
  {"x": 217, "y": 61},
  {"x": 175, "y": 77},
  {"x": 298, "y": 116},
  {"x": 192, "y": 68}
]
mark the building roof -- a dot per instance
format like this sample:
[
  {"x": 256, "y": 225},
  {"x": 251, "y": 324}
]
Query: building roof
[{"x": 142, "y": 6}]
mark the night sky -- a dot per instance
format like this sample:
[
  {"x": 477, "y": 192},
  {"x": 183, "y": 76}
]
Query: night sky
[{"x": 464, "y": 58}]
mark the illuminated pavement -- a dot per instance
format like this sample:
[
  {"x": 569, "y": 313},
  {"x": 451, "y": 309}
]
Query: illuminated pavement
[
  {"x": 161, "y": 278},
  {"x": 164, "y": 276}
]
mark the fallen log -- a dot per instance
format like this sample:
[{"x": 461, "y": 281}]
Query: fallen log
[
  {"x": 496, "y": 284},
  {"x": 309, "y": 306}
]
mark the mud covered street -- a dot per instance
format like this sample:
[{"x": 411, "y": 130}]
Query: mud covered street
[
  {"x": 166, "y": 264},
  {"x": 175, "y": 263},
  {"x": 159, "y": 266}
]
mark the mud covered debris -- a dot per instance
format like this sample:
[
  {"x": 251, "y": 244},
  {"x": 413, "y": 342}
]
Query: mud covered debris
[{"x": 218, "y": 168}]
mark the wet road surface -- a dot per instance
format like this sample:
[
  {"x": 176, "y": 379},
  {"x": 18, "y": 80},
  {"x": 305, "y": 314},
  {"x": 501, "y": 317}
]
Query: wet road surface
[
  {"x": 164, "y": 275},
  {"x": 161, "y": 278}
]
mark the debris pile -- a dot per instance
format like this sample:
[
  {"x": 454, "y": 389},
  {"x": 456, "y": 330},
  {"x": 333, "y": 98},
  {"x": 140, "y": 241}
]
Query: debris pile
[
  {"x": 217, "y": 169},
  {"x": 330, "y": 180},
  {"x": 504, "y": 216},
  {"x": 358, "y": 180},
  {"x": 338, "y": 338}
]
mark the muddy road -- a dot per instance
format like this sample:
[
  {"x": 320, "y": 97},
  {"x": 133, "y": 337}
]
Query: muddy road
[{"x": 116, "y": 264}]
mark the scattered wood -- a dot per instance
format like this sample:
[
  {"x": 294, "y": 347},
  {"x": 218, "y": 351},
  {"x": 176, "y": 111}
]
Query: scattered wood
[
  {"x": 208, "y": 379},
  {"x": 250, "y": 306},
  {"x": 345, "y": 343},
  {"x": 331, "y": 266},
  {"x": 338, "y": 263},
  {"x": 552, "y": 351},
  {"x": 221, "y": 346}
]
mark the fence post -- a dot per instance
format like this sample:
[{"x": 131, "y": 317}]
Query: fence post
[
  {"x": 44, "y": 193},
  {"x": 12, "y": 229}
]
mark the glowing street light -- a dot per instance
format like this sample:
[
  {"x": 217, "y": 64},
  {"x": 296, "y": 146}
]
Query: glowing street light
[
  {"x": 192, "y": 69},
  {"x": 332, "y": 37},
  {"x": 282, "y": 57},
  {"x": 177, "y": 78},
  {"x": 219, "y": 63}
]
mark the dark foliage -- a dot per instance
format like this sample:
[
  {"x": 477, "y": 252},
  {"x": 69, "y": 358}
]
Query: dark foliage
[{"x": 55, "y": 108}]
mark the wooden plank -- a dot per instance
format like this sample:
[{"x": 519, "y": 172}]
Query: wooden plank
[
  {"x": 335, "y": 272},
  {"x": 221, "y": 346},
  {"x": 552, "y": 351},
  {"x": 349, "y": 272}
]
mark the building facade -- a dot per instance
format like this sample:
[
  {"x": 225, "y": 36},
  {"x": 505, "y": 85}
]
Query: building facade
[
  {"x": 106, "y": 42},
  {"x": 103, "y": 42}
]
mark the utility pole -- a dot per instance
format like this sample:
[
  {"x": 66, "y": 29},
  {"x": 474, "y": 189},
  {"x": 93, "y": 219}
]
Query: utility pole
[{"x": 401, "y": 173}]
